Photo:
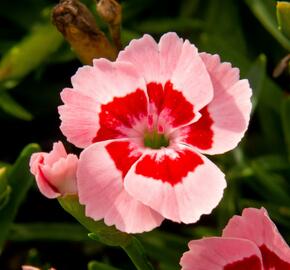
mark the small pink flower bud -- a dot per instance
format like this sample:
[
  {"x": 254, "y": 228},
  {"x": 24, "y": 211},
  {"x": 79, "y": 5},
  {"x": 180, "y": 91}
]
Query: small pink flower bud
[{"x": 55, "y": 172}]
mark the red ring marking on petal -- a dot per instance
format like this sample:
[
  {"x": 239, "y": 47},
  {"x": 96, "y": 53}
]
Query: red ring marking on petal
[
  {"x": 167, "y": 169},
  {"x": 172, "y": 102},
  {"x": 200, "y": 134},
  {"x": 272, "y": 261},
  {"x": 251, "y": 263},
  {"x": 121, "y": 112},
  {"x": 122, "y": 155}
]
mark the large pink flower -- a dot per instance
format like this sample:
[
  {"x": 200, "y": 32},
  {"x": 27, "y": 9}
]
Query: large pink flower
[
  {"x": 55, "y": 172},
  {"x": 250, "y": 241},
  {"x": 145, "y": 121}
]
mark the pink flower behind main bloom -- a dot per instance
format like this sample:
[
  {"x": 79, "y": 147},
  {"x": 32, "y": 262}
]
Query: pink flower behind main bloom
[
  {"x": 249, "y": 242},
  {"x": 55, "y": 172},
  {"x": 145, "y": 122}
]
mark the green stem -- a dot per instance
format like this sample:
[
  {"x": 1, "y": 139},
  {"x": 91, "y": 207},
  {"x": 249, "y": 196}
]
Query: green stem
[
  {"x": 108, "y": 235},
  {"x": 136, "y": 252}
]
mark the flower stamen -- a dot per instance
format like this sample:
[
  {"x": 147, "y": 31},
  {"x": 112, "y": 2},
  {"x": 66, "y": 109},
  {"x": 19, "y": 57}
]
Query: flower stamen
[{"x": 155, "y": 140}]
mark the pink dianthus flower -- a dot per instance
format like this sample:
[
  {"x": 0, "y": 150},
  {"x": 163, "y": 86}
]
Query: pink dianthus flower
[
  {"x": 146, "y": 121},
  {"x": 250, "y": 242}
]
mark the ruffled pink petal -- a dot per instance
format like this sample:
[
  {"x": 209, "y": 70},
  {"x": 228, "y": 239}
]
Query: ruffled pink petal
[
  {"x": 102, "y": 167},
  {"x": 143, "y": 53},
  {"x": 227, "y": 115},
  {"x": 104, "y": 99},
  {"x": 106, "y": 80},
  {"x": 176, "y": 182},
  {"x": 79, "y": 117},
  {"x": 171, "y": 61},
  {"x": 256, "y": 226},
  {"x": 217, "y": 253}
]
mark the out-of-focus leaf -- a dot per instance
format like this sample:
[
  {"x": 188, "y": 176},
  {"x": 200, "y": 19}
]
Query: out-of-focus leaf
[
  {"x": 169, "y": 24},
  {"x": 272, "y": 162},
  {"x": 12, "y": 11},
  {"x": 271, "y": 126},
  {"x": 188, "y": 8},
  {"x": 264, "y": 10},
  {"x": 224, "y": 21},
  {"x": 11, "y": 107},
  {"x": 28, "y": 54},
  {"x": 48, "y": 232},
  {"x": 132, "y": 9},
  {"x": 20, "y": 180},
  {"x": 128, "y": 35},
  {"x": 256, "y": 76},
  {"x": 272, "y": 186},
  {"x": 94, "y": 265},
  {"x": 283, "y": 16},
  {"x": 5, "y": 189},
  {"x": 285, "y": 112},
  {"x": 156, "y": 240}
]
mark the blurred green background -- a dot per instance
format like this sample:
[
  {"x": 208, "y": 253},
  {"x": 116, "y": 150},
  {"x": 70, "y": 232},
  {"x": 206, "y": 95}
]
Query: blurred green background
[{"x": 36, "y": 63}]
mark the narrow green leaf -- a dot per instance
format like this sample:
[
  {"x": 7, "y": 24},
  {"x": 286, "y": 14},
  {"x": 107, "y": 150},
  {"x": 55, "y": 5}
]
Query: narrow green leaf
[
  {"x": 47, "y": 232},
  {"x": 256, "y": 76},
  {"x": 5, "y": 189},
  {"x": 286, "y": 122},
  {"x": 272, "y": 162},
  {"x": 28, "y": 54},
  {"x": 108, "y": 235},
  {"x": 272, "y": 186},
  {"x": 264, "y": 10},
  {"x": 11, "y": 107},
  {"x": 94, "y": 265},
  {"x": 20, "y": 180},
  {"x": 283, "y": 16},
  {"x": 225, "y": 21}
]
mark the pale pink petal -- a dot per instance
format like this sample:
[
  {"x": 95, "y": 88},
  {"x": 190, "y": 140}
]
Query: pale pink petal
[
  {"x": 256, "y": 226},
  {"x": 55, "y": 172},
  {"x": 58, "y": 151},
  {"x": 172, "y": 60},
  {"x": 28, "y": 267},
  {"x": 143, "y": 53},
  {"x": 106, "y": 80},
  {"x": 104, "y": 99},
  {"x": 47, "y": 189},
  {"x": 226, "y": 118},
  {"x": 62, "y": 174},
  {"x": 176, "y": 182},
  {"x": 79, "y": 117},
  {"x": 102, "y": 167},
  {"x": 217, "y": 253}
]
